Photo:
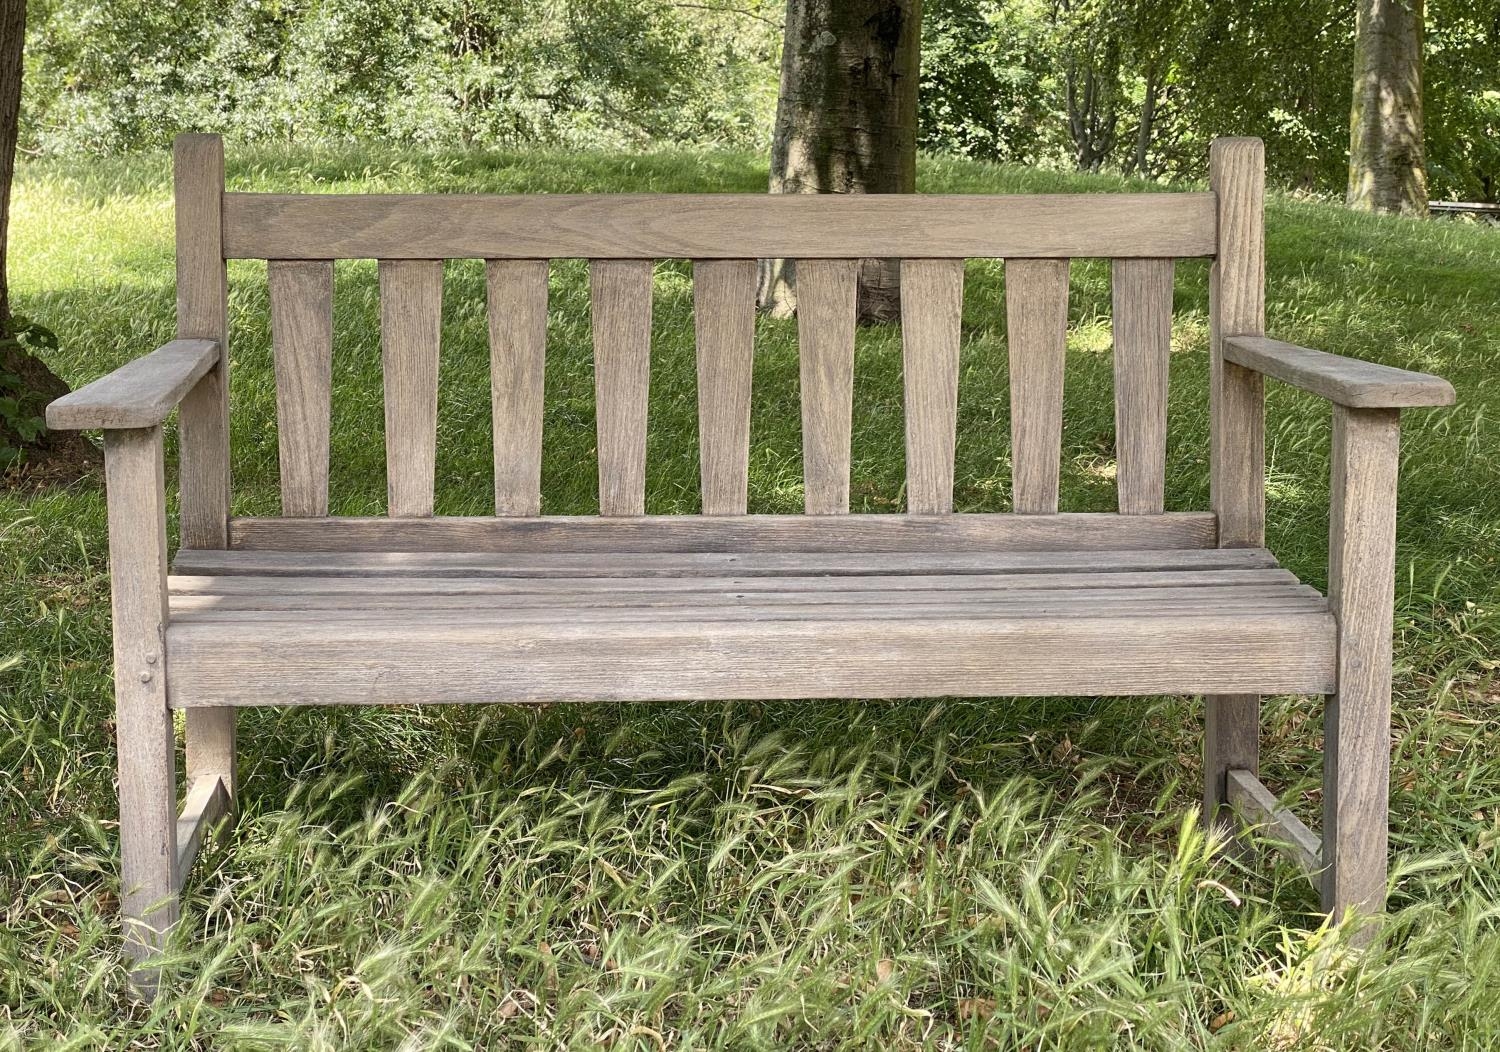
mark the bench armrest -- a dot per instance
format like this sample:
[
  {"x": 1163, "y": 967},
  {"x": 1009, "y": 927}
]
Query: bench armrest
[
  {"x": 140, "y": 393},
  {"x": 1349, "y": 382}
]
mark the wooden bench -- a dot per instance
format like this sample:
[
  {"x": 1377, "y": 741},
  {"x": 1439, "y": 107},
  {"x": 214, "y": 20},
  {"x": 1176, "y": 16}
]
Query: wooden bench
[{"x": 518, "y": 607}]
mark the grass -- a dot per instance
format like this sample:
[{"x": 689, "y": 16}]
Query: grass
[{"x": 961, "y": 873}]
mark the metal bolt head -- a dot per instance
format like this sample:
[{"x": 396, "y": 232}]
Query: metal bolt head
[{"x": 145, "y": 676}]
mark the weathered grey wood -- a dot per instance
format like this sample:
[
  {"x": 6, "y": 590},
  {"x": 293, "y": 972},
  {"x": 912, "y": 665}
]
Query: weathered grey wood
[
  {"x": 1257, "y": 805},
  {"x": 825, "y": 343},
  {"x": 1143, "y": 349},
  {"x": 751, "y": 533},
  {"x": 840, "y": 562},
  {"x": 302, "y": 345},
  {"x": 517, "y": 291},
  {"x": 1357, "y": 719},
  {"x": 724, "y": 321},
  {"x": 250, "y": 589},
  {"x": 140, "y": 393},
  {"x": 1349, "y": 382},
  {"x": 1236, "y": 427},
  {"x": 932, "y": 304},
  {"x": 621, "y": 297},
  {"x": 411, "y": 326},
  {"x": 1036, "y": 307},
  {"x": 716, "y": 226},
  {"x": 207, "y": 802},
  {"x": 653, "y": 598},
  {"x": 401, "y": 662},
  {"x": 203, "y": 313},
  {"x": 149, "y": 877}
]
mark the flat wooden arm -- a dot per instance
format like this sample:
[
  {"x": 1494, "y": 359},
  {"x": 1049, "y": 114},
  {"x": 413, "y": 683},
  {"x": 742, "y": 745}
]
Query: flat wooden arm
[
  {"x": 1349, "y": 382},
  {"x": 140, "y": 393}
]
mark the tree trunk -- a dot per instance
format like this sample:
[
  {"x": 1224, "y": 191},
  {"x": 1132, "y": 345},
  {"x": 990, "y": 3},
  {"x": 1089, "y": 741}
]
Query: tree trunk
[
  {"x": 1387, "y": 170},
  {"x": 846, "y": 123},
  {"x": 1144, "y": 129},
  {"x": 12, "y": 44},
  {"x": 31, "y": 456}
]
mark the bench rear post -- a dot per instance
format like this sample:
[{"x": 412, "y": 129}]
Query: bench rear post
[
  {"x": 203, "y": 312},
  {"x": 1237, "y": 430}
]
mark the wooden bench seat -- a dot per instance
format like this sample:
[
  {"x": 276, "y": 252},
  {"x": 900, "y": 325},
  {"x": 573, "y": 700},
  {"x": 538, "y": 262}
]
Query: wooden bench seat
[
  {"x": 1025, "y": 598},
  {"x": 382, "y": 628}
]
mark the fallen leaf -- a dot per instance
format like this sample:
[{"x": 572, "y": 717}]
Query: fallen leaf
[
  {"x": 884, "y": 969},
  {"x": 976, "y": 1007},
  {"x": 1220, "y": 1021}
]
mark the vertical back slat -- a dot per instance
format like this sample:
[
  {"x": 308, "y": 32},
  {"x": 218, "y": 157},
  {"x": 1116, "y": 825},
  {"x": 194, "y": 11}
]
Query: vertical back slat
[
  {"x": 517, "y": 290},
  {"x": 202, "y": 313},
  {"x": 411, "y": 322},
  {"x": 932, "y": 301},
  {"x": 724, "y": 319},
  {"x": 1143, "y": 349},
  {"x": 621, "y": 293},
  {"x": 1036, "y": 304},
  {"x": 825, "y": 334},
  {"x": 302, "y": 345}
]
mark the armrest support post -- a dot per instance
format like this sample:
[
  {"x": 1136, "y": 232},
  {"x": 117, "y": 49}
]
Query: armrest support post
[
  {"x": 149, "y": 878},
  {"x": 1357, "y": 719}
]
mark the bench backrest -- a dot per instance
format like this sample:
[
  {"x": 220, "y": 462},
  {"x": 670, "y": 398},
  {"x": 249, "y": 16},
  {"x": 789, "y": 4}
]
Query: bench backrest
[{"x": 723, "y": 235}]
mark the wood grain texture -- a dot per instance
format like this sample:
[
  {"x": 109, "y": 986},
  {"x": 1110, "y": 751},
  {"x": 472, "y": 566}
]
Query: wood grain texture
[
  {"x": 517, "y": 292},
  {"x": 302, "y": 346},
  {"x": 411, "y": 326},
  {"x": 141, "y": 393},
  {"x": 149, "y": 877},
  {"x": 751, "y": 533},
  {"x": 621, "y": 298},
  {"x": 203, "y": 313},
  {"x": 1348, "y": 382},
  {"x": 1237, "y": 307},
  {"x": 1142, "y": 291},
  {"x": 1357, "y": 719},
  {"x": 1258, "y": 806},
  {"x": 715, "y": 226},
  {"x": 724, "y": 322},
  {"x": 334, "y": 662},
  {"x": 1036, "y": 307},
  {"x": 206, "y": 804},
  {"x": 932, "y": 305},
  {"x": 825, "y": 343},
  {"x": 627, "y": 564},
  {"x": 1236, "y": 427}
]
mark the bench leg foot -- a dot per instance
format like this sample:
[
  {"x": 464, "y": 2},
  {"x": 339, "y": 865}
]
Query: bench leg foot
[
  {"x": 210, "y": 736},
  {"x": 1231, "y": 742},
  {"x": 1356, "y": 788}
]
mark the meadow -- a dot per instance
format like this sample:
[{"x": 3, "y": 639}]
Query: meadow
[{"x": 961, "y": 873}]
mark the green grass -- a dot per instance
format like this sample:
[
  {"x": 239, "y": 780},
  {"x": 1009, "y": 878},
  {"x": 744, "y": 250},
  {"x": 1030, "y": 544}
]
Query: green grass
[{"x": 961, "y": 873}]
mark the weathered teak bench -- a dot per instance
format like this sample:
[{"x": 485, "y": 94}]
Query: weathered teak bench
[{"x": 519, "y": 607}]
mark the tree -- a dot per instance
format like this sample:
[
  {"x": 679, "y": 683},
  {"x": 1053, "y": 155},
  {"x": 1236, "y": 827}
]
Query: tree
[
  {"x": 846, "y": 123},
  {"x": 26, "y": 384},
  {"x": 1387, "y": 171}
]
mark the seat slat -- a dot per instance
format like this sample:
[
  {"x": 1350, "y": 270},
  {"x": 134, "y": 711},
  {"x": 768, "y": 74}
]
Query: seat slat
[
  {"x": 825, "y": 336},
  {"x": 211, "y": 562},
  {"x": 621, "y": 301},
  {"x": 411, "y": 324},
  {"x": 1143, "y": 349},
  {"x": 302, "y": 346},
  {"x": 517, "y": 301},
  {"x": 685, "y": 533},
  {"x": 932, "y": 293},
  {"x": 329, "y": 661},
  {"x": 251, "y": 588},
  {"x": 1036, "y": 307},
  {"x": 724, "y": 320}
]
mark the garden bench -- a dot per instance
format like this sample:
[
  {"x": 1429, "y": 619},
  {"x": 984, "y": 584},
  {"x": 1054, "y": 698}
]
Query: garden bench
[{"x": 518, "y": 607}]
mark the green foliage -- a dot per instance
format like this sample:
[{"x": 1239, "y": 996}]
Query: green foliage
[
  {"x": 114, "y": 75},
  {"x": 1010, "y": 873},
  {"x": 21, "y": 421}
]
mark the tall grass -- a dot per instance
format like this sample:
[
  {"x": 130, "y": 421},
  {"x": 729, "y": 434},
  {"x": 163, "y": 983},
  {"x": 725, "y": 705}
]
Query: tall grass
[{"x": 960, "y": 873}]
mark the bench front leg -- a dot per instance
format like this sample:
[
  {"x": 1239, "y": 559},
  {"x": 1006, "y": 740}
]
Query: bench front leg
[
  {"x": 1357, "y": 719},
  {"x": 149, "y": 873}
]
